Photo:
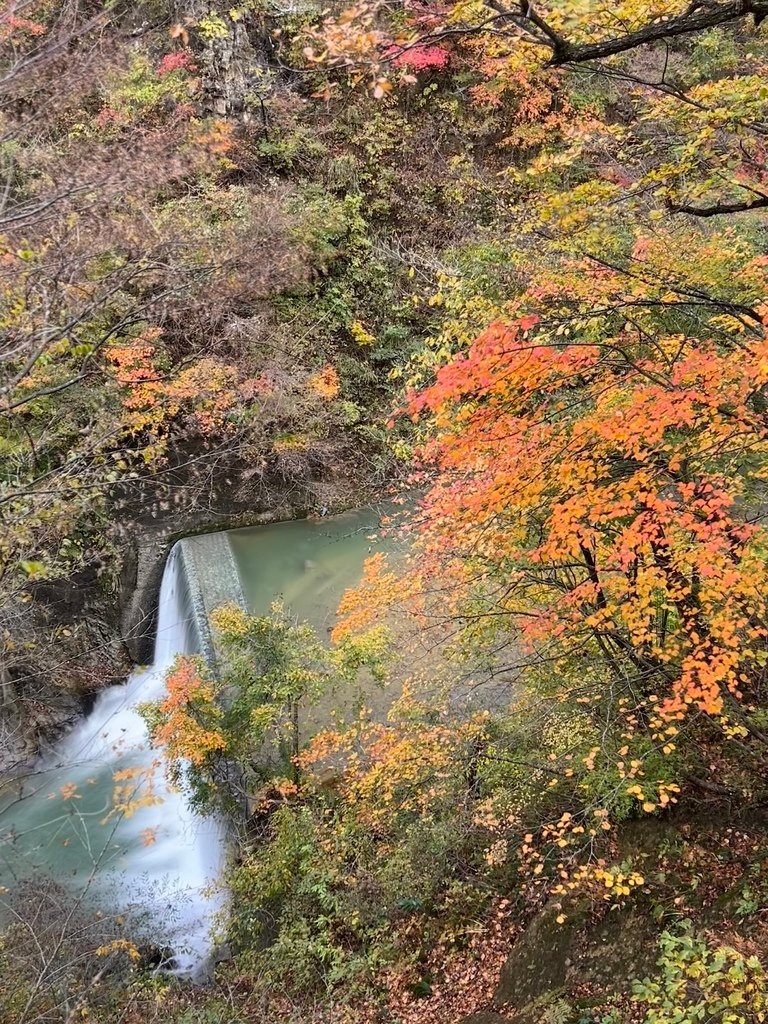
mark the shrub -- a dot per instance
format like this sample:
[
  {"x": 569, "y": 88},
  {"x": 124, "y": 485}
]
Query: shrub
[{"x": 697, "y": 983}]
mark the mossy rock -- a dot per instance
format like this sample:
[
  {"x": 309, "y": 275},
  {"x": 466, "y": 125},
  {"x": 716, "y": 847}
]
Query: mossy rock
[{"x": 550, "y": 957}]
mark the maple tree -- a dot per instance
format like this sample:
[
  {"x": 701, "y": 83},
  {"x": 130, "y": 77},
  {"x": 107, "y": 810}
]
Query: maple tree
[
  {"x": 590, "y": 421},
  {"x": 629, "y": 535}
]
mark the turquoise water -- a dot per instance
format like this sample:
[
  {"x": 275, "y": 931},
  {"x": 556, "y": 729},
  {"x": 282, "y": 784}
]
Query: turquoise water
[
  {"x": 60, "y": 820},
  {"x": 308, "y": 564}
]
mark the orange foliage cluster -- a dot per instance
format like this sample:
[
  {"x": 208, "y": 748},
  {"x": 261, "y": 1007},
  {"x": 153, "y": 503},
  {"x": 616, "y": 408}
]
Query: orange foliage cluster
[
  {"x": 188, "y": 699},
  {"x": 216, "y": 138},
  {"x": 619, "y": 470},
  {"x": 325, "y": 383},
  {"x": 206, "y": 390},
  {"x": 542, "y": 110},
  {"x": 15, "y": 27},
  {"x": 133, "y": 789}
]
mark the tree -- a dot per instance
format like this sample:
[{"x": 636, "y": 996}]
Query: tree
[
  {"x": 233, "y": 732},
  {"x": 591, "y": 431}
]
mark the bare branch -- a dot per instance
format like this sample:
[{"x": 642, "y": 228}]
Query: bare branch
[
  {"x": 698, "y": 17},
  {"x": 716, "y": 209}
]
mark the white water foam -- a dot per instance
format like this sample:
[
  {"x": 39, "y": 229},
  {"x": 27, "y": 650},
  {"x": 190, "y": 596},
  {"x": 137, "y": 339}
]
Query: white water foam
[{"x": 168, "y": 859}]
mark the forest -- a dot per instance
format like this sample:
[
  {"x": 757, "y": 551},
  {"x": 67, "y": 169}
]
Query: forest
[{"x": 473, "y": 296}]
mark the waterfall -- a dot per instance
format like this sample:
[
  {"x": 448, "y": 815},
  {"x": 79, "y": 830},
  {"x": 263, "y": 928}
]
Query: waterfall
[
  {"x": 163, "y": 860},
  {"x": 160, "y": 858},
  {"x": 114, "y": 725}
]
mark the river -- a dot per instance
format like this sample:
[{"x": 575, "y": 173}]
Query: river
[{"x": 98, "y": 815}]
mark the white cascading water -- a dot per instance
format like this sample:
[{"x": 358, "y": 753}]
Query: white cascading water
[
  {"x": 166, "y": 858},
  {"x": 59, "y": 822}
]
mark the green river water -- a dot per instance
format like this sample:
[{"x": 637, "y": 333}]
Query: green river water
[{"x": 56, "y": 822}]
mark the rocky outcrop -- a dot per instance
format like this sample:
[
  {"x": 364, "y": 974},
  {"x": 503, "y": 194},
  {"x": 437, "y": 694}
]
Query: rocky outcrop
[
  {"x": 232, "y": 55},
  {"x": 551, "y": 958}
]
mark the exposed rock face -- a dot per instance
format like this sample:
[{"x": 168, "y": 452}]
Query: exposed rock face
[
  {"x": 539, "y": 960},
  {"x": 144, "y": 558},
  {"x": 17, "y": 749},
  {"x": 550, "y": 957},
  {"x": 233, "y": 69}
]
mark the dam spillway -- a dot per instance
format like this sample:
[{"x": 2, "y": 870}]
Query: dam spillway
[
  {"x": 97, "y": 815},
  {"x": 211, "y": 577}
]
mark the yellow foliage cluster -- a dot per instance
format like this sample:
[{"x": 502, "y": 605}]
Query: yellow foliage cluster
[{"x": 360, "y": 607}]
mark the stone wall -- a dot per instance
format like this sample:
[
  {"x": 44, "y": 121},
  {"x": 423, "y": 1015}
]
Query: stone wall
[{"x": 213, "y": 580}]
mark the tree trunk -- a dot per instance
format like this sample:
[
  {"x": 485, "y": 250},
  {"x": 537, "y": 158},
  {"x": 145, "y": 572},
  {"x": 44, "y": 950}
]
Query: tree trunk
[{"x": 295, "y": 740}]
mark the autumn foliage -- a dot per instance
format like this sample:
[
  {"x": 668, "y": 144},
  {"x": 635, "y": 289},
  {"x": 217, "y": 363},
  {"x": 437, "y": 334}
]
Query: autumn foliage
[
  {"x": 590, "y": 433},
  {"x": 188, "y": 715},
  {"x": 623, "y": 470},
  {"x": 537, "y": 231}
]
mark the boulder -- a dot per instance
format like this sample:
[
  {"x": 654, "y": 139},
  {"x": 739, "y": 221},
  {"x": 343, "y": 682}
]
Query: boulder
[{"x": 549, "y": 958}]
